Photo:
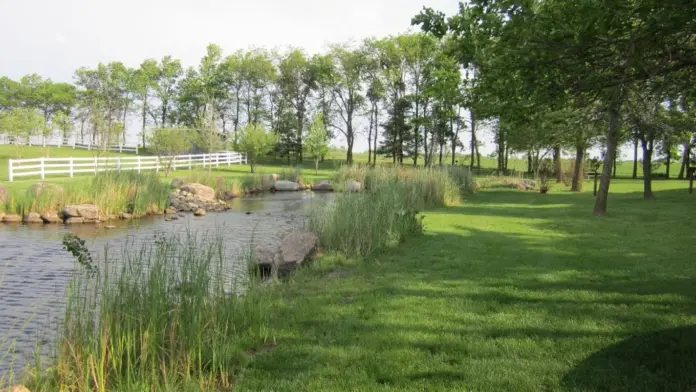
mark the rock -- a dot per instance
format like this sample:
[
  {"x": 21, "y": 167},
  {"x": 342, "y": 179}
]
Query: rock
[
  {"x": 192, "y": 206},
  {"x": 200, "y": 191},
  {"x": 74, "y": 220},
  {"x": 170, "y": 211},
  {"x": 171, "y": 218},
  {"x": 297, "y": 246},
  {"x": 182, "y": 215},
  {"x": 199, "y": 212},
  {"x": 87, "y": 211},
  {"x": 12, "y": 218},
  {"x": 353, "y": 186},
  {"x": 3, "y": 194},
  {"x": 285, "y": 186},
  {"x": 109, "y": 227},
  {"x": 2, "y": 215},
  {"x": 267, "y": 181},
  {"x": 32, "y": 217},
  {"x": 50, "y": 217},
  {"x": 125, "y": 215},
  {"x": 113, "y": 217},
  {"x": 16, "y": 388},
  {"x": 322, "y": 186},
  {"x": 189, "y": 196},
  {"x": 177, "y": 182}
]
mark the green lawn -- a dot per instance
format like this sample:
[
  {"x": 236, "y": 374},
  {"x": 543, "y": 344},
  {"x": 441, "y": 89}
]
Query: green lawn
[{"x": 506, "y": 292}]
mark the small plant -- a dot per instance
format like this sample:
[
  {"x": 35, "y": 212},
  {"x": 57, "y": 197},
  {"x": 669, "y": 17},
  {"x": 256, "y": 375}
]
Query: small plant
[{"x": 76, "y": 246}]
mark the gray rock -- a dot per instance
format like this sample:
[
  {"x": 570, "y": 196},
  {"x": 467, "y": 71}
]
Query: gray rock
[
  {"x": 199, "y": 212},
  {"x": 87, "y": 211},
  {"x": 50, "y": 217},
  {"x": 267, "y": 181},
  {"x": 177, "y": 182},
  {"x": 286, "y": 186},
  {"x": 353, "y": 186},
  {"x": 323, "y": 186},
  {"x": 192, "y": 206},
  {"x": 170, "y": 210},
  {"x": 200, "y": 191},
  {"x": 12, "y": 218},
  {"x": 32, "y": 217},
  {"x": 125, "y": 215},
  {"x": 74, "y": 220}
]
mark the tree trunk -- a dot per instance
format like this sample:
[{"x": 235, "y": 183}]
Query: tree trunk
[
  {"x": 558, "y": 165},
  {"x": 647, "y": 168},
  {"x": 529, "y": 162},
  {"x": 507, "y": 156},
  {"x": 374, "y": 147},
  {"x": 369, "y": 137},
  {"x": 669, "y": 163},
  {"x": 600, "y": 207},
  {"x": 144, "y": 121},
  {"x": 613, "y": 175},
  {"x": 578, "y": 172},
  {"x": 349, "y": 153},
  {"x": 685, "y": 160},
  {"x": 441, "y": 148},
  {"x": 473, "y": 138},
  {"x": 416, "y": 130},
  {"x": 635, "y": 159}
]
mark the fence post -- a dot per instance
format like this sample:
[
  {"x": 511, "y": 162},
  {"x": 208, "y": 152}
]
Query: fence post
[
  {"x": 120, "y": 148},
  {"x": 138, "y": 163},
  {"x": 96, "y": 164},
  {"x": 157, "y": 165},
  {"x": 136, "y": 149},
  {"x": 118, "y": 164},
  {"x": 71, "y": 167},
  {"x": 43, "y": 169},
  {"x": 217, "y": 159},
  {"x": 9, "y": 169},
  {"x": 229, "y": 158},
  {"x": 189, "y": 161},
  {"x": 174, "y": 162}
]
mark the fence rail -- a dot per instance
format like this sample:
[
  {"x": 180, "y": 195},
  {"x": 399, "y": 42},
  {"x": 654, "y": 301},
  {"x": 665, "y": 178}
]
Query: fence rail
[
  {"x": 67, "y": 143},
  {"x": 70, "y": 166}
]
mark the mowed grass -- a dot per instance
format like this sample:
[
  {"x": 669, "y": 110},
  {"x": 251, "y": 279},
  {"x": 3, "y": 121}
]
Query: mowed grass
[{"x": 508, "y": 291}]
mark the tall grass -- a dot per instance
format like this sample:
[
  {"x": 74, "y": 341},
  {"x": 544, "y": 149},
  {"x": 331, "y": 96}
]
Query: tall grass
[
  {"x": 386, "y": 212},
  {"x": 112, "y": 192},
  {"x": 167, "y": 318}
]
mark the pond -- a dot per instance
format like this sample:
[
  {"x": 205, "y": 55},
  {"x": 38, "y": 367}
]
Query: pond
[{"x": 35, "y": 269}]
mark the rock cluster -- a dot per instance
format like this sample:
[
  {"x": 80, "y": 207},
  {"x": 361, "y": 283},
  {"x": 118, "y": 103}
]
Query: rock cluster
[
  {"x": 196, "y": 198},
  {"x": 295, "y": 249}
]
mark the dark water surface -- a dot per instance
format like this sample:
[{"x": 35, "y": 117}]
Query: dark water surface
[{"x": 35, "y": 269}]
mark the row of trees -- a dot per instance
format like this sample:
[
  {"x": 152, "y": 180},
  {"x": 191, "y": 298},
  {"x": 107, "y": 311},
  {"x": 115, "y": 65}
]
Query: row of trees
[
  {"x": 568, "y": 74},
  {"x": 404, "y": 93}
]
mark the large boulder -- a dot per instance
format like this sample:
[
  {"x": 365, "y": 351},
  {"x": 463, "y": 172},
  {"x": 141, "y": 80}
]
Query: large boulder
[
  {"x": 75, "y": 220},
  {"x": 323, "y": 186},
  {"x": 199, "y": 212},
  {"x": 125, "y": 215},
  {"x": 170, "y": 210},
  {"x": 267, "y": 181},
  {"x": 3, "y": 194},
  {"x": 353, "y": 186},
  {"x": 232, "y": 193},
  {"x": 12, "y": 218},
  {"x": 295, "y": 248},
  {"x": 87, "y": 211},
  {"x": 199, "y": 191},
  {"x": 32, "y": 217},
  {"x": 286, "y": 186},
  {"x": 177, "y": 183},
  {"x": 50, "y": 217}
]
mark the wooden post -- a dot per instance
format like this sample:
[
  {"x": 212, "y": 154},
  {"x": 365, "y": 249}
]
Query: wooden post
[
  {"x": 594, "y": 193},
  {"x": 43, "y": 169},
  {"x": 96, "y": 163},
  {"x": 72, "y": 169},
  {"x": 217, "y": 160},
  {"x": 138, "y": 163},
  {"x": 189, "y": 159},
  {"x": 120, "y": 148},
  {"x": 9, "y": 169},
  {"x": 118, "y": 164}
]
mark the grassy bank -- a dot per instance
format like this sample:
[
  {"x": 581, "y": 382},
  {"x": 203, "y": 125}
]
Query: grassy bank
[
  {"x": 509, "y": 291},
  {"x": 112, "y": 192}
]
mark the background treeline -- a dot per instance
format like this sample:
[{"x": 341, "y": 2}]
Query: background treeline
[{"x": 404, "y": 93}]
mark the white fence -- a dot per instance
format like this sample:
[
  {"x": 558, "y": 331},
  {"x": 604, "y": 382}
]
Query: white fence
[
  {"x": 61, "y": 142},
  {"x": 70, "y": 166}
]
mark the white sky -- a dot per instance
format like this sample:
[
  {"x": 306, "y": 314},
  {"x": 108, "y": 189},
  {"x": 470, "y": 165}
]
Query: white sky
[{"x": 53, "y": 38}]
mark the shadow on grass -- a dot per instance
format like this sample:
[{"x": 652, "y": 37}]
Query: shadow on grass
[{"x": 663, "y": 360}]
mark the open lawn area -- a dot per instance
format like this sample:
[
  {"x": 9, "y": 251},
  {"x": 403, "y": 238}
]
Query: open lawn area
[{"x": 509, "y": 291}]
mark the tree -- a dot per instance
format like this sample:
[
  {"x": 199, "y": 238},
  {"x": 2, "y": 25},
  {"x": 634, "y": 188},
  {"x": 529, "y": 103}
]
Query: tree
[
  {"x": 317, "y": 141},
  {"x": 64, "y": 124},
  {"x": 167, "y": 143},
  {"x": 165, "y": 89},
  {"x": 21, "y": 123},
  {"x": 255, "y": 142},
  {"x": 144, "y": 80},
  {"x": 351, "y": 65}
]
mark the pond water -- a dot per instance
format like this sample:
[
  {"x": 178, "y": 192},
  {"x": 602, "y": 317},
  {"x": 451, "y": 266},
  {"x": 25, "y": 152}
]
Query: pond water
[{"x": 35, "y": 269}]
